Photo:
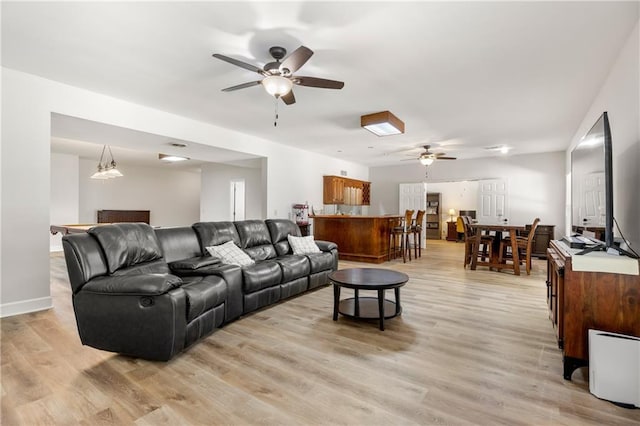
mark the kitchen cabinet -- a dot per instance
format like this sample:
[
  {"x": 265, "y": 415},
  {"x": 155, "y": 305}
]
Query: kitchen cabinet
[{"x": 341, "y": 190}]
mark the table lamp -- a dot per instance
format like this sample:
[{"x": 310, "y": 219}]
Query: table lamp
[{"x": 452, "y": 213}]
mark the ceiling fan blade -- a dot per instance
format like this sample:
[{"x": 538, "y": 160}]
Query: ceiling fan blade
[
  {"x": 239, "y": 63},
  {"x": 289, "y": 98},
  {"x": 296, "y": 60},
  {"x": 446, "y": 158},
  {"x": 242, "y": 86},
  {"x": 318, "y": 82}
]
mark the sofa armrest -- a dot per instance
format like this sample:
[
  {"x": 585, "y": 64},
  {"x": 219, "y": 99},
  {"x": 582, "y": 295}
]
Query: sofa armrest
[
  {"x": 232, "y": 275},
  {"x": 138, "y": 284},
  {"x": 193, "y": 263},
  {"x": 326, "y": 245}
]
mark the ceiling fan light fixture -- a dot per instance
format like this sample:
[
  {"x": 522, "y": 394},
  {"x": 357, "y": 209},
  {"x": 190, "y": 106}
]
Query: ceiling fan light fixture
[
  {"x": 171, "y": 158},
  {"x": 426, "y": 160},
  {"x": 276, "y": 85},
  {"x": 382, "y": 123}
]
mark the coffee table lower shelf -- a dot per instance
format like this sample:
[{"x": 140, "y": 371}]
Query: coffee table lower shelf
[{"x": 367, "y": 308}]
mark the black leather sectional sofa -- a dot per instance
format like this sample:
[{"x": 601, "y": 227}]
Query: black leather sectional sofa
[{"x": 151, "y": 293}]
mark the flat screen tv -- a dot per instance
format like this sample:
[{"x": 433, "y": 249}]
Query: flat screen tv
[
  {"x": 592, "y": 183},
  {"x": 592, "y": 188}
]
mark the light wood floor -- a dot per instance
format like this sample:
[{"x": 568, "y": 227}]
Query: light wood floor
[{"x": 471, "y": 347}]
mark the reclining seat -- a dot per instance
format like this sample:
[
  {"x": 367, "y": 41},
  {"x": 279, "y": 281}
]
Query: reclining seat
[
  {"x": 256, "y": 236},
  {"x": 181, "y": 250},
  {"x": 320, "y": 264},
  {"x": 126, "y": 301},
  {"x": 261, "y": 280}
]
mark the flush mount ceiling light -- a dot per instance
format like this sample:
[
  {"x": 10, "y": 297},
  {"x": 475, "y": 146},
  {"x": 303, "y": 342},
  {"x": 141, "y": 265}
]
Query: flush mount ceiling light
[
  {"x": 108, "y": 169},
  {"x": 171, "y": 158},
  {"x": 382, "y": 123}
]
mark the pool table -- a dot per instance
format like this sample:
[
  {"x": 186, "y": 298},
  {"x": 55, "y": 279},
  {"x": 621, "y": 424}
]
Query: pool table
[{"x": 73, "y": 229}]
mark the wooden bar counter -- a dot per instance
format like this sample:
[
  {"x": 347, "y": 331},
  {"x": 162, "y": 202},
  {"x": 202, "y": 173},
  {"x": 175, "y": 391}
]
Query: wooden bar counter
[{"x": 359, "y": 238}]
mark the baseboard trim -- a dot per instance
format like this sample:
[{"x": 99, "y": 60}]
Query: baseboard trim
[{"x": 25, "y": 306}]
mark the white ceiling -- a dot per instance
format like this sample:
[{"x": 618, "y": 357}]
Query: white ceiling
[{"x": 463, "y": 76}]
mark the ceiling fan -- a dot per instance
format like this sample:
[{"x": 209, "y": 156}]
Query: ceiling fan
[
  {"x": 278, "y": 76},
  {"x": 427, "y": 157}
]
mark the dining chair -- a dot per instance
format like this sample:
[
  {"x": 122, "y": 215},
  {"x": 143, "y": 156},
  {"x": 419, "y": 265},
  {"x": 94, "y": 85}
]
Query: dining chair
[
  {"x": 524, "y": 245},
  {"x": 460, "y": 228},
  {"x": 486, "y": 243},
  {"x": 416, "y": 229}
]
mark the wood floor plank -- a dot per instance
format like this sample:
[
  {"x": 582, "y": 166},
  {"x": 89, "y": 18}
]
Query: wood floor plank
[{"x": 471, "y": 347}]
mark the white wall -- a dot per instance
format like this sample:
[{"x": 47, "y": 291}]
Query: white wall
[
  {"x": 619, "y": 96},
  {"x": 65, "y": 192},
  {"x": 216, "y": 191},
  {"x": 25, "y": 192},
  {"x": 535, "y": 182},
  {"x": 462, "y": 195},
  {"x": 27, "y": 103},
  {"x": 172, "y": 196}
]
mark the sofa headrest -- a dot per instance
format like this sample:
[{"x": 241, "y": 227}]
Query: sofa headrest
[
  {"x": 178, "y": 243},
  {"x": 215, "y": 233},
  {"x": 279, "y": 229},
  {"x": 127, "y": 244},
  {"x": 255, "y": 239},
  {"x": 253, "y": 233}
]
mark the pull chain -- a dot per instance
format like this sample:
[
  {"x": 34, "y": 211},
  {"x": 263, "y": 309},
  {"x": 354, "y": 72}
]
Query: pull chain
[{"x": 275, "y": 122}]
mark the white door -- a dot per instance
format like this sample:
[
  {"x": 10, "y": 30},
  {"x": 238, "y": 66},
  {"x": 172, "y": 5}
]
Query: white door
[
  {"x": 591, "y": 208},
  {"x": 413, "y": 196},
  {"x": 492, "y": 201},
  {"x": 237, "y": 200}
]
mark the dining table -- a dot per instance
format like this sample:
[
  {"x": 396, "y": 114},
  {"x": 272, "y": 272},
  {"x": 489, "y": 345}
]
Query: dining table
[{"x": 494, "y": 258}]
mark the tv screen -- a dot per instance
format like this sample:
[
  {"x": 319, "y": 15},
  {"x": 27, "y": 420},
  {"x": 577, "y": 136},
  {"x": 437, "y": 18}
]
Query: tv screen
[{"x": 592, "y": 182}]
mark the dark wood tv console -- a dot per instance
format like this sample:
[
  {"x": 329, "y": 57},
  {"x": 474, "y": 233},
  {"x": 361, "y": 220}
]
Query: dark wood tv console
[{"x": 579, "y": 301}]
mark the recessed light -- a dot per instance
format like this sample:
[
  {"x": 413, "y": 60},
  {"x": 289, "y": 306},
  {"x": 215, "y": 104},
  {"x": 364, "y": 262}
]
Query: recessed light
[
  {"x": 504, "y": 149},
  {"x": 171, "y": 158}
]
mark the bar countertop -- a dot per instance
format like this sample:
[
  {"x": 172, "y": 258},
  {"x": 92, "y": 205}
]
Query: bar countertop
[{"x": 355, "y": 216}]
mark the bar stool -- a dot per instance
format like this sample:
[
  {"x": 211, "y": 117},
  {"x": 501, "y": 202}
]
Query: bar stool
[
  {"x": 416, "y": 230},
  {"x": 399, "y": 237}
]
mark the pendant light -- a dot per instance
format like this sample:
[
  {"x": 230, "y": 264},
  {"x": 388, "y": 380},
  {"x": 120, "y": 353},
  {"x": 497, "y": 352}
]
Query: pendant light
[{"x": 107, "y": 170}]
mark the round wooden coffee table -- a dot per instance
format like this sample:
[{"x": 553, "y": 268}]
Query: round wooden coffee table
[{"x": 367, "y": 279}]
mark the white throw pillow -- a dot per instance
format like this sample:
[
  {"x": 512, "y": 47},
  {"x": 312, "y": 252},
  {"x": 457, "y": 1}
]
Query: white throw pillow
[
  {"x": 230, "y": 253},
  {"x": 303, "y": 245}
]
